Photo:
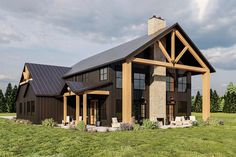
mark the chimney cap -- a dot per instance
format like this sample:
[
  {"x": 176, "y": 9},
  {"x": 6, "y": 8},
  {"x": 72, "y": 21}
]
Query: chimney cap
[{"x": 154, "y": 16}]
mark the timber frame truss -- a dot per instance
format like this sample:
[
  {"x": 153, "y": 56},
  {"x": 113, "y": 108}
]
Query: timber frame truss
[{"x": 172, "y": 62}]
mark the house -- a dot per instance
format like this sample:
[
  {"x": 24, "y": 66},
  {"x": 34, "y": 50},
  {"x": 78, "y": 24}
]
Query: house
[{"x": 148, "y": 77}]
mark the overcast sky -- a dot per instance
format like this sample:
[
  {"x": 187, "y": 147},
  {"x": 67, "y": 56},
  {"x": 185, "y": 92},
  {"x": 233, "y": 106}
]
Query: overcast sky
[{"x": 62, "y": 32}]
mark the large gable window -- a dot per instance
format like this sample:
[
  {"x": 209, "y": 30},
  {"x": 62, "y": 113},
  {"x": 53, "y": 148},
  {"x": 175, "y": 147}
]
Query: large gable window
[
  {"x": 139, "y": 81},
  {"x": 182, "y": 84},
  {"x": 103, "y": 74}
]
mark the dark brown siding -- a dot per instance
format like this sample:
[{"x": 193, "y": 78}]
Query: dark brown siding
[
  {"x": 49, "y": 107},
  {"x": 25, "y": 94}
]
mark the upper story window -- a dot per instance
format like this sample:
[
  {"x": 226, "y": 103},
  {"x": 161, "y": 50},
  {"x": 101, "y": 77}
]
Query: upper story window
[
  {"x": 103, "y": 74},
  {"x": 118, "y": 79},
  {"x": 139, "y": 81},
  {"x": 85, "y": 77},
  {"x": 170, "y": 84},
  {"x": 182, "y": 84}
]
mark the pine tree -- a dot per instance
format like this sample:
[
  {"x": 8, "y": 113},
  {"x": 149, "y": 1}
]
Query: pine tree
[
  {"x": 214, "y": 101},
  {"x": 14, "y": 92},
  {"x": 198, "y": 102},
  {"x": 231, "y": 88},
  {"x": 2, "y": 103},
  {"x": 9, "y": 98}
]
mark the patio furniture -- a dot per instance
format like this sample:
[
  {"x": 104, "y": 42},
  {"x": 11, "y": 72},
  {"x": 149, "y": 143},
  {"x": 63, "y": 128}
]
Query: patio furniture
[
  {"x": 115, "y": 123},
  {"x": 185, "y": 122},
  {"x": 192, "y": 119},
  {"x": 177, "y": 122}
]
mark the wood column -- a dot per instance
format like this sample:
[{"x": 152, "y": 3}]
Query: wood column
[
  {"x": 206, "y": 95},
  {"x": 77, "y": 108},
  {"x": 65, "y": 107},
  {"x": 85, "y": 108},
  {"x": 126, "y": 92}
]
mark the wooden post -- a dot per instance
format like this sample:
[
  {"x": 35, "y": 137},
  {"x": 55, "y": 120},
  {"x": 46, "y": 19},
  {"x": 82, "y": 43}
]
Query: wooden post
[
  {"x": 85, "y": 108},
  {"x": 77, "y": 108},
  {"x": 173, "y": 45},
  {"x": 206, "y": 95},
  {"x": 126, "y": 91},
  {"x": 65, "y": 107}
]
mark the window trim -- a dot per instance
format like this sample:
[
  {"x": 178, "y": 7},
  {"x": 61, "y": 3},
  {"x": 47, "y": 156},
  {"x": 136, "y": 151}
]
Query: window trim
[
  {"x": 120, "y": 78},
  {"x": 139, "y": 80},
  {"x": 182, "y": 84}
]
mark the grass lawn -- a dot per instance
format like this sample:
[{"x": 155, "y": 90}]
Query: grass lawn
[
  {"x": 7, "y": 114},
  {"x": 28, "y": 140}
]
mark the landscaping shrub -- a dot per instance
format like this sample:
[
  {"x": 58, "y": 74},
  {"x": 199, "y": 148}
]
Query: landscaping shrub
[
  {"x": 126, "y": 126},
  {"x": 81, "y": 126},
  {"x": 49, "y": 122},
  {"x": 221, "y": 122},
  {"x": 22, "y": 121},
  {"x": 147, "y": 124},
  {"x": 136, "y": 127},
  {"x": 195, "y": 123}
]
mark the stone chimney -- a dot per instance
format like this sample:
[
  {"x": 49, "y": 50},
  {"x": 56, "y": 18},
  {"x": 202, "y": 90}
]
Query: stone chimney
[{"x": 155, "y": 24}]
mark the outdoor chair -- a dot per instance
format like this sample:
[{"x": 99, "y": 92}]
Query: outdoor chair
[
  {"x": 192, "y": 119},
  {"x": 177, "y": 122},
  {"x": 115, "y": 123},
  {"x": 185, "y": 122}
]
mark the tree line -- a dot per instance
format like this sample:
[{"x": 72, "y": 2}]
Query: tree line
[
  {"x": 226, "y": 103},
  {"x": 7, "y": 99}
]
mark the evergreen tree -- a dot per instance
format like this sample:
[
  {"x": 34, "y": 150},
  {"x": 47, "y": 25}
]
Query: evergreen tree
[
  {"x": 214, "y": 101},
  {"x": 14, "y": 92},
  {"x": 231, "y": 88},
  {"x": 192, "y": 104},
  {"x": 9, "y": 98},
  {"x": 198, "y": 103},
  {"x": 2, "y": 103},
  {"x": 222, "y": 103},
  {"x": 230, "y": 99}
]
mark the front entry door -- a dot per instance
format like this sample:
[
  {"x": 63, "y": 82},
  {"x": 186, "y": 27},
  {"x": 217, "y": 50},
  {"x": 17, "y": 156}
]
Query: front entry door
[{"x": 93, "y": 112}]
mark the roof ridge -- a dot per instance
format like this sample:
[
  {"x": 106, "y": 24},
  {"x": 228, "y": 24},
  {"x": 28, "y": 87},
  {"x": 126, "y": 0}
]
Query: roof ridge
[{"x": 46, "y": 65}]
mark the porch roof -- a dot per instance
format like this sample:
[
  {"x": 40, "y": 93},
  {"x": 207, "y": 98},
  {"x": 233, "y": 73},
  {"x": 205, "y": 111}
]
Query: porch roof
[{"x": 79, "y": 87}]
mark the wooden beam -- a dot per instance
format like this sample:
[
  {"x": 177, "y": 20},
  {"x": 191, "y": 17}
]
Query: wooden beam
[
  {"x": 77, "y": 108},
  {"x": 85, "y": 108},
  {"x": 169, "y": 65},
  {"x": 64, "y": 108},
  {"x": 69, "y": 94},
  {"x": 206, "y": 95},
  {"x": 173, "y": 45},
  {"x": 126, "y": 91},
  {"x": 181, "y": 54},
  {"x": 195, "y": 55},
  {"x": 163, "y": 50},
  {"x": 97, "y": 92}
]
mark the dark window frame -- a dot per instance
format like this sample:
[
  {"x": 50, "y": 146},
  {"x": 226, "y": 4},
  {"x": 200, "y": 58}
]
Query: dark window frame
[
  {"x": 85, "y": 77},
  {"x": 170, "y": 81},
  {"x": 139, "y": 81},
  {"x": 182, "y": 84},
  {"x": 119, "y": 79},
  {"x": 103, "y": 74}
]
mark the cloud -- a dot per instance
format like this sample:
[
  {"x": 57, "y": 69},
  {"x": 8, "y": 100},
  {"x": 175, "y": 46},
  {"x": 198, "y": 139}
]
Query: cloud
[
  {"x": 222, "y": 57},
  {"x": 4, "y": 78}
]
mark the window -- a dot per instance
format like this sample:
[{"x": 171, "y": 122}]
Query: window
[
  {"x": 20, "y": 108},
  {"x": 170, "y": 84},
  {"x": 28, "y": 107},
  {"x": 139, "y": 81},
  {"x": 118, "y": 79},
  {"x": 32, "y": 108},
  {"x": 85, "y": 77},
  {"x": 103, "y": 74},
  {"x": 182, "y": 84}
]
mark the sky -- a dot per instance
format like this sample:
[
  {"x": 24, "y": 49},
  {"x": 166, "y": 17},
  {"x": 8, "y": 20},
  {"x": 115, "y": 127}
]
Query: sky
[{"x": 62, "y": 32}]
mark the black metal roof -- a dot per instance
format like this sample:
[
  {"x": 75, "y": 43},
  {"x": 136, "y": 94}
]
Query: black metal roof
[
  {"x": 47, "y": 79},
  {"x": 123, "y": 51},
  {"x": 78, "y": 87}
]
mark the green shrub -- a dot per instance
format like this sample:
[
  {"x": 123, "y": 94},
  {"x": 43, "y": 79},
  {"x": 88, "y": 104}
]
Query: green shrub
[
  {"x": 147, "y": 124},
  {"x": 136, "y": 127},
  {"x": 49, "y": 122},
  {"x": 195, "y": 123},
  {"x": 126, "y": 126},
  {"x": 81, "y": 126}
]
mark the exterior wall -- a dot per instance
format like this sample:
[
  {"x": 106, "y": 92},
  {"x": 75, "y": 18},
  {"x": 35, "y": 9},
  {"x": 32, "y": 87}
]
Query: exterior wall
[
  {"x": 25, "y": 94},
  {"x": 157, "y": 97},
  {"x": 49, "y": 107}
]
